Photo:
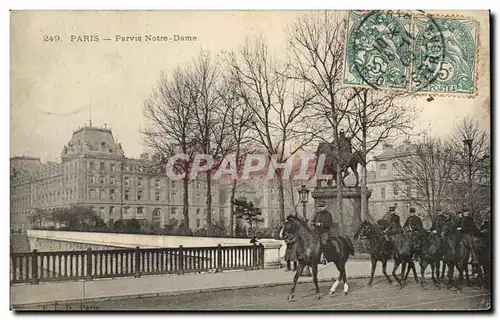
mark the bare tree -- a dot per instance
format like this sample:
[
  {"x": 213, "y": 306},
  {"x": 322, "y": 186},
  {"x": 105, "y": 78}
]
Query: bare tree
[
  {"x": 277, "y": 105},
  {"x": 472, "y": 147},
  {"x": 212, "y": 117},
  {"x": 374, "y": 116},
  {"x": 426, "y": 173},
  {"x": 316, "y": 43},
  {"x": 239, "y": 130},
  {"x": 170, "y": 127}
]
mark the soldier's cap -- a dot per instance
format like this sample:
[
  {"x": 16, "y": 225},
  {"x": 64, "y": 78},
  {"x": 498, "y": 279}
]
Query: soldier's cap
[{"x": 321, "y": 204}]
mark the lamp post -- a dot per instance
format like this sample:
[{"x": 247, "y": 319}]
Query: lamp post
[
  {"x": 303, "y": 198},
  {"x": 468, "y": 144}
]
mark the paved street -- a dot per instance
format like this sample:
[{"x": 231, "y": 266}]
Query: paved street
[{"x": 380, "y": 296}]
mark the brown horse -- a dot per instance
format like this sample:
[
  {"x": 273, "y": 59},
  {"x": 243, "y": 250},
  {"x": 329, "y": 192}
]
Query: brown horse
[{"x": 307, "y": 246}]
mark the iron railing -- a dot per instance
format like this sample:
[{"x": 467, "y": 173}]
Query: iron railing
[{"x": 34, "y": 267}]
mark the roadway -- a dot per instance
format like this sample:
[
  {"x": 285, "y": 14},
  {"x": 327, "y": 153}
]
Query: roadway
[{"x": 380, "y": 296}]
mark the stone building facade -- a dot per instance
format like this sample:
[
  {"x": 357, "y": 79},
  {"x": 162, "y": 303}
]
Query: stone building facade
[
  {"x": 95, "y": 172},
  {"x": 383, "y": 182}
]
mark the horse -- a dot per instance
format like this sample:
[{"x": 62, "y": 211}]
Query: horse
[
  {"x": 457, "y": 254},
  {"x": 481, "y": 246},
  {"x": 404, "y": 247},
  {"x": 431, "y": 249},
  {"x": 379, "y": 246},
  {"x": 438, "y": 224},
  {"x": 307, "y": 245},
  {"x": 415, "y": 225}
]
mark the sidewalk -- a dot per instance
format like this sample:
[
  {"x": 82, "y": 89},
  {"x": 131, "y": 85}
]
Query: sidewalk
[{"x": 178, "y": 284}]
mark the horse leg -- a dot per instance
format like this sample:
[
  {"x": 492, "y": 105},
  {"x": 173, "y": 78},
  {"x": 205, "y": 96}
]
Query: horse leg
[
  {"x": 403, "y": 268},
  {"x": 346, "y": 285},
  {"x": 384, "y": 271},
  {"x": 342, "y": 277},
  {"x": 412, "y": 265},
  {"x": 451, "y": 267},
  {"x": 460, "y": 269},
  {"x": 407, "y": 272},
  {"x": 435, "y": 267},
  {"x": 298, "y": 272},
  {"x": 466, "y": 269},
  {"x": 444, "y": 269},
  {"x": 423, "y": 266},
  {"x": 397, "y": 262},
  {"x": 315, "y": 279},
  {"x": 374, "y": 266}
]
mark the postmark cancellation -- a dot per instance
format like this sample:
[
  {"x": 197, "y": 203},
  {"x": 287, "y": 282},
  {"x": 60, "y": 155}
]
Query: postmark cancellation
[{"x": 415, "y": 52}]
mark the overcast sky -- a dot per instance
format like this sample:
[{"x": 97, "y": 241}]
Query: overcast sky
[{"x": 53, "y": 84}]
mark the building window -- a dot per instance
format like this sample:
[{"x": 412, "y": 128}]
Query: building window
[
  {"x": 101, "y": 166},
  {"x": 140, "y": 210},
  {"x": 139, "y": 182},
  {"x": 126, "y": 194},
  {"x": 198, "y": 223},
  {"x": 101, "y": 179},
  {"x": 127, "y": 181},
  {"x": 198, "y": 198},
  {"x": 103, "y": 194},
  {"x": 111, "y": 210},
  {"x": 172, "y": 183},
  {"x": 125, "y": 210},
  {"x": 101, "y": 211},
  {"x": 111, "y": 194},
  {"x": 157, "y": 183},
  {"x": 91, "y": 179},
  {"x": 395, "y": 189},
  {"x": 156, "y": 213},
  {"x": 173, "y": 211},
  {"x": 111, "y": 180},
  {"x": 157, "y": 196},
  {"x": 139, "y": 195},
  {"x": 172, "y": 196},
  {"x": 383, "y": 170},
  {"x": 127, "y": 167},
  {"x": 91, "y": 165},
  {"x": 197, "y": 185},
  {"x": 382, "y": 193},
  {"x": 112, "y": 167}
]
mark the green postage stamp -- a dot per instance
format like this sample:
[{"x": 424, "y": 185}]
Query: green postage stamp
[{"x": 419, "y": 53}]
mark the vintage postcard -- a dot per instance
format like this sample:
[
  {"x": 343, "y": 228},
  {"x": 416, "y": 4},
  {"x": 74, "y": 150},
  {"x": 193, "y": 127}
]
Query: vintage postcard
[{"x": 250, "y": 160}]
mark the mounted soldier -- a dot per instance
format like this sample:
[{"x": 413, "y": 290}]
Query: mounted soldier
[
  {"x": 394, "y": 221},
  {"x": 323, "y": 224}
]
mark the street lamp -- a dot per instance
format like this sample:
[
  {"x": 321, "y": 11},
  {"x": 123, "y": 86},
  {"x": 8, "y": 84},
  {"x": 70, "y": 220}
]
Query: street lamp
[
  {"x": 468, "y": 144},
  {"x": 303, "y": 198}
]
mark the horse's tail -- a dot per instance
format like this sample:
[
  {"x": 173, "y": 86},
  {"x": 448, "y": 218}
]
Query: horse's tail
[{"x": 350, "y": 247}]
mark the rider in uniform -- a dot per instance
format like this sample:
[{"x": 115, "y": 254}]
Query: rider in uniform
[{"x": 322, "y": 223}]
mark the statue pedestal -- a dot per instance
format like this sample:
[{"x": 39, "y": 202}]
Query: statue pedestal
[{"x": 351, "y": 205}]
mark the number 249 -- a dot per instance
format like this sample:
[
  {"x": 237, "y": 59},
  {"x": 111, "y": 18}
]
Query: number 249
[{"x": 51, "y": 38}]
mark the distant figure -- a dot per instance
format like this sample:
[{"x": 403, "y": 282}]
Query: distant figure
[{"x": 290, "y": 256}]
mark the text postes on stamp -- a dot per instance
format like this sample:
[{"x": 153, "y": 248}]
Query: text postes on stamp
[
  {"x": 444, "y": 55},
  {"x": 420, "y": 53}
]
